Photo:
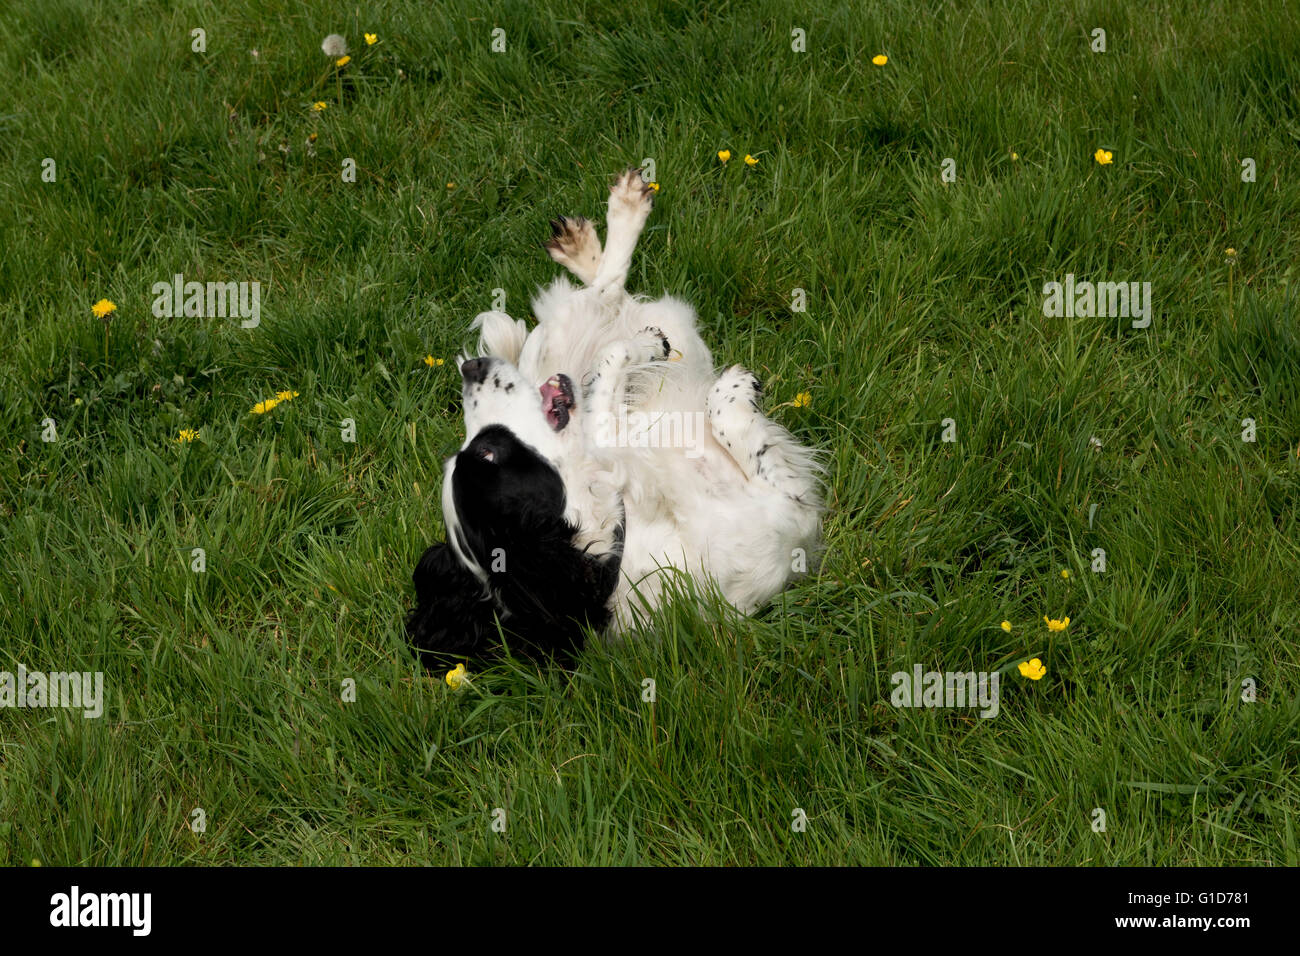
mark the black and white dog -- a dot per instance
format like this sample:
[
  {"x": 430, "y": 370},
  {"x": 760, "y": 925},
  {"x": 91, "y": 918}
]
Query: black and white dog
[{"x": 602, "y": 457}]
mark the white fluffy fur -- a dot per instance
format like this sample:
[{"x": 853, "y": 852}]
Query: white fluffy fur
[{"x": 741, "y": 507}]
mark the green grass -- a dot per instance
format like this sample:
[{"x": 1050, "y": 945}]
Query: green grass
[{"x": 924, "y": 303}]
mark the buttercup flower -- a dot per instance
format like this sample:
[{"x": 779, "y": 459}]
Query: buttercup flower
[
  {"x": 187, "y": 435},
  {"x": 430, "y": 361},
  {"x": 1102, "y": 157},
  {"x": 102, "y": 308},
  {"x": 1034, "y": 669},
  {"x": 285, "y": 396},
  {"x": 1055, "y": 625},
  {"x": 750, "y": 160},
  {"x": 654, "y": 186},
  {"x": 1015, "y": 155},
  {"x": 880, "y": 59},
  {"x": 1065, "y": 574},
  {"x": 334, "y": 45},
  {"x": 319, "y": 105},
  {"x": 370, "y": 39},
  {"x": 1006, "y": 625},
  {"x": 456, "y": 677},
  {"x": 343, "y": 61},
  {"x": 451, "y": 185},
  {"x": 724, "y": 154}
]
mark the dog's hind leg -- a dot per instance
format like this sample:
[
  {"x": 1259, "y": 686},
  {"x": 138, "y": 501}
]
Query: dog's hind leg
[
  {"x": 575, "y": 245},
  {"x": 764, "y": 450},
  {"x": 630, "y": 200}
]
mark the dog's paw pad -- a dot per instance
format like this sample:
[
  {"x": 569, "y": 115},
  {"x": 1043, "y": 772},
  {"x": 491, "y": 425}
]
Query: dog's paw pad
[{"x": 570, "y": 238}]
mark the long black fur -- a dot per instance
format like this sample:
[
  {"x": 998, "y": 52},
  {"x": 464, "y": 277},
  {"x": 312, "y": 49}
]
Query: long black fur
[{"x": 542, "y": 592}]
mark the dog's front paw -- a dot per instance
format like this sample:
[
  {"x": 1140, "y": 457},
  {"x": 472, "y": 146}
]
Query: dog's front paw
[
  {"x": 630, "y": 197},
  {"x": 653, "y": 344},
  {"x": 737, "y": 385}
]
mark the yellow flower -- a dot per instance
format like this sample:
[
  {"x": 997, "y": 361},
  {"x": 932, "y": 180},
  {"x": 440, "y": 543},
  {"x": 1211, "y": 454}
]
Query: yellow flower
[
  {"x": 1065, "y": 574},
  {"x": 261, "y": 408},
  {"x": 724, "y": 154},
  {"x": 1034, "y": 669},
  {"x": 880, "y": 59},
  {"x": 1102, "y": 157},
  {"x": 102, "y": 308},
  {"x": 285, "y": 396},
  {"x": 451, "y": 185},
  {"x": 802, "y": 400},
  {"x": 370, "y": 38},
  {"x": 430, "y": 361},
  {"x": 1055, "y": 625},
  {"x": 750, "y": 160},
  {"x": 187, "y": 435},
  {"x": 1006, "y": 625},
  {"x": 343, "y": 61},
  {"x": 1015, "y": 155},
  {"x": 1230, "y": 256},
  {"x": 654, "y": 186},
  {"x": 319, "y": 105},
  {"x": 456, "y": 677}
]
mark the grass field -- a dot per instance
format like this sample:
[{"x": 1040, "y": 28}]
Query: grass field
[{"x": 924, "y": 302}]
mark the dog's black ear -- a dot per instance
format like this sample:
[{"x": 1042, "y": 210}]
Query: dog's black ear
[{"x": 453, "y": 621}]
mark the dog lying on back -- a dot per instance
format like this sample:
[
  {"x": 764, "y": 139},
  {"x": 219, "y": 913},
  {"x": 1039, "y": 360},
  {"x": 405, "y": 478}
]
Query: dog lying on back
[{"x": 602, "y": 457}]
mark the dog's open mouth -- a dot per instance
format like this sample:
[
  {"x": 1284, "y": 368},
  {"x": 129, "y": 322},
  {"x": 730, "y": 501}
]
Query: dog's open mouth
[{"x": 557, "y": 400}]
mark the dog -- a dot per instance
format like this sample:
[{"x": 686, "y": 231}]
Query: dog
[{"x": 603, "y": 457}]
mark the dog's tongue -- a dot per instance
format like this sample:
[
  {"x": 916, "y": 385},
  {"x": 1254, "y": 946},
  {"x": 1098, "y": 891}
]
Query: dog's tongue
[
  {"x": 557, "y": 399},
  {"x": 550, "y": 391}
]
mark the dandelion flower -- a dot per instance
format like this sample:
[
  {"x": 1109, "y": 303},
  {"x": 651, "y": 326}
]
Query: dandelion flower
[
  {"x": 430, "y": 361},
  {"x": 750, "y": 160},
  {"x": 724, "y": 155},
  {"x": 370, "y": 39},
  {"x": 654, "y": 186},
  {"x": 261, "y": 408},
  {"x": 1034, "y": 669},
  {"x": 1102, "y": 157},
  {"x": 1065, "y": 574},
  {"x": 1229, "y": 255},
  {"x": 187, "y": 435},
  {"x": 334, "y": 45},
  {"x": 802, "y": 400},
  {"x": 1006, "y": 626},
  {"x": 880, "y": 59},
  {"x": 456, "y": 677},
  {"x": 451, "y": 185},
  {"x": 319, "y": 106},
  {"x": 343, "y": 61},
  {"x": 1055, "y": 625},
  {"x": 103, "y": 308}
]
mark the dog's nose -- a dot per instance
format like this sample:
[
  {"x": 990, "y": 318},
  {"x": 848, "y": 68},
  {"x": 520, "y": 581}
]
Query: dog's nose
[{"x": 475, "y": 371}]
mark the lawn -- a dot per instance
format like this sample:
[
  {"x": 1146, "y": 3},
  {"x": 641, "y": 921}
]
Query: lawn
[{"x": 881, "y": 267}]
